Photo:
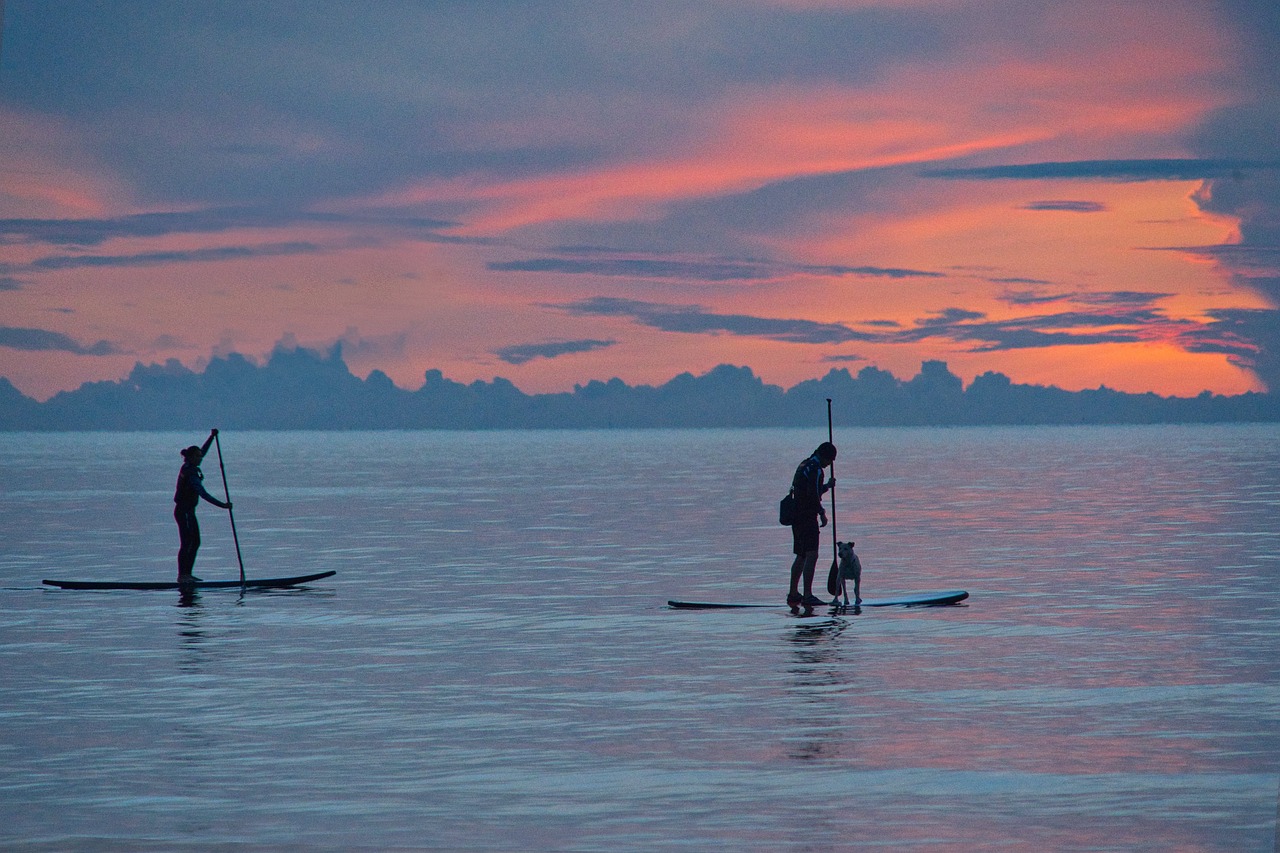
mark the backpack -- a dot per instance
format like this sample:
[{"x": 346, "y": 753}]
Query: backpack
[{"x": 787, "y": 509}]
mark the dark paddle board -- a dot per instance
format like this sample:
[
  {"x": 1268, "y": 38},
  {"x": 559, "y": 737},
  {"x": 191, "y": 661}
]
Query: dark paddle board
[
  {"x": 260, "y": 583},
  {"x": 910, "y": 599}
]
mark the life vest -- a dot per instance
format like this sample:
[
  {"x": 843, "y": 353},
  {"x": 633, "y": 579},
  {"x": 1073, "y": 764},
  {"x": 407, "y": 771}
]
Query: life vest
[{"x": 190, "y": 483}]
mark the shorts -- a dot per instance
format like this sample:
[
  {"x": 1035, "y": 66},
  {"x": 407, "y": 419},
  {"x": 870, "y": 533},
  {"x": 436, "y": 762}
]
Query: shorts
[{"x": 805, "y": 536}]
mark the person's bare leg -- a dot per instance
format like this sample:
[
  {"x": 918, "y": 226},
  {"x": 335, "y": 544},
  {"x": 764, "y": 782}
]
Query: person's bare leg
[
  {"x": 810, "y": 567},
  {"x": 797, "y": 571}
]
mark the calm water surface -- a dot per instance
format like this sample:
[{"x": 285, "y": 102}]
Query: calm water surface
[{"x": 494, "y": 666}]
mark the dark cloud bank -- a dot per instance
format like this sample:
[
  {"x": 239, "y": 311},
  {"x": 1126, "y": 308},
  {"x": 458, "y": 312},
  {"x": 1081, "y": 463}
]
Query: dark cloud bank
[{"x": 300, "y": 389}]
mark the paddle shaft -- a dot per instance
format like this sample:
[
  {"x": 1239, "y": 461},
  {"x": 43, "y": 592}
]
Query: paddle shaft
[
  {"x": 831, "y": 441},
  {"x": 226, "y": 490},
  {"x": 835, "y": 547}
]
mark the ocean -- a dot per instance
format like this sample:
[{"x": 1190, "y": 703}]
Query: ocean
[{"x": 494, "y": 666}]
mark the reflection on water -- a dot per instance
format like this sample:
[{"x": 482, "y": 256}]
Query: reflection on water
[
  {"x": 492, "y": 667},
  {"x": 191, "y": 631},
  {"x": 819, "y": 674}
]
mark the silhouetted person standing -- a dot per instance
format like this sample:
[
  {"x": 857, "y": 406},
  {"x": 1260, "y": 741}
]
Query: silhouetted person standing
[
  {"x": 186, "y": 496},
  {"x": 809, "y": 485}
]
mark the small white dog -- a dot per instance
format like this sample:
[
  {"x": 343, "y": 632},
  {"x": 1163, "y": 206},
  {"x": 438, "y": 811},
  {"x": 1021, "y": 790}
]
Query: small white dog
[{"x": 850, "y": 569}]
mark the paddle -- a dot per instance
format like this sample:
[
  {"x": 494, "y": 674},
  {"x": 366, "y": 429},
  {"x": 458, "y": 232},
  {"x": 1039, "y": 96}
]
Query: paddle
[
  {"x": 835, "y": 584},
  {"x": 227, "y": 492}
]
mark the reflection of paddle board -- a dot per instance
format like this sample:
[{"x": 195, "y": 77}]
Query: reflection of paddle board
[
  {"x": 911, "y": 599},
  {"x": 263, "y": 583}
]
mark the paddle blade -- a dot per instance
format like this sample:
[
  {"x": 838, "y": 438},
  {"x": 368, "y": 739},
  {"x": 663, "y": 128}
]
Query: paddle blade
[{"x": 833, "y": 578}]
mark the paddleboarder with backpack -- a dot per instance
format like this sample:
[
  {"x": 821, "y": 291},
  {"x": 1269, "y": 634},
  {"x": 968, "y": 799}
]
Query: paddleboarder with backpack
[
  {"x": 808, "y": 486},
  {"x": 186, "y": 496}
]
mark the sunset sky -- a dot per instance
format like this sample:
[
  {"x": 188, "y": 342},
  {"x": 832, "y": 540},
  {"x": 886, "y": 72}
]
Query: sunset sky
[{"x": 1071, "y": 193}]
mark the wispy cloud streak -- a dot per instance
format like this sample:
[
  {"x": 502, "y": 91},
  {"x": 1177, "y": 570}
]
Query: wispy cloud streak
[
  {"x": 521, "y": 353},
  {"x": 1067, "y": 206},
  {"x": 93, "y": 232},
  {"x": 693, "y": 319},
  {"x": 699, "y": 270},
  {"x": 147, "y": 259},
  {"x": 958, "y": 325},
  {"x": 1173, "y": 169},
  {"x": 43, "y": 340}
]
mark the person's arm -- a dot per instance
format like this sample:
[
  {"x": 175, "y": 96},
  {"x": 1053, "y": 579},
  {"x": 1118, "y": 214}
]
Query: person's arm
[
  {"x": 196, "y": 480},
  {"x": 204, "y": 450},
  {"x": 199, "y": 482},
  {"x": 200, "y": 489}
]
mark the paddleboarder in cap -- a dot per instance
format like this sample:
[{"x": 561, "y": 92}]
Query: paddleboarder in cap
[
  {"x": 809, "y": 486},
  {"x": 186, "y": 496}
]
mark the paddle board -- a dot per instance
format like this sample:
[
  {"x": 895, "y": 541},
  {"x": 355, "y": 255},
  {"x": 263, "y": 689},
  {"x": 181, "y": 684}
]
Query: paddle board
[
  {"x": 260, "y": 583},
  {"x": 911, "y": 599}
]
